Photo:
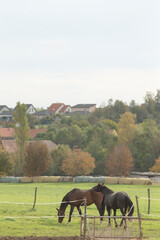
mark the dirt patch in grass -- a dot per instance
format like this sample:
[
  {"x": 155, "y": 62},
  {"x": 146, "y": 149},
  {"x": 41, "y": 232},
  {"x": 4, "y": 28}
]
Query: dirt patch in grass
[{"x": 39, "y": 238}]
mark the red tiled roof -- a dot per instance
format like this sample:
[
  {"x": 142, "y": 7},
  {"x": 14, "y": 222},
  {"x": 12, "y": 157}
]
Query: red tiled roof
[
  {"x": 64, "y": 108},
  {"x": 9, "y": 132},
  {"x": 54, "y": 107},
  {"x": 34, "y": 132}
]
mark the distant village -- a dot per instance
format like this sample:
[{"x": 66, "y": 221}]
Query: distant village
[{"x": 6, "y": 115}]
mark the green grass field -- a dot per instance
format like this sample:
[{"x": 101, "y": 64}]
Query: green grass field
[{"x": 18, "y": 218}]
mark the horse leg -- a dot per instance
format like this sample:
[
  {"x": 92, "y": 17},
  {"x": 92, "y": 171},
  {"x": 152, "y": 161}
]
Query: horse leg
[
  {"x": 70, "y": 213},
  {"x": 109, "y": 214},
  {"x": 79, "y": 210},
  {"x": 101, "y": 212},
  {"x": 116, "y": 224},
  {"x": 121, "y": 223}
]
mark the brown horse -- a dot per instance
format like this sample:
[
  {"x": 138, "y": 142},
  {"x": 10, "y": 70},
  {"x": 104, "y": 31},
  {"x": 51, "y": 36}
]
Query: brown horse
[{"x": 75, "y": 198}]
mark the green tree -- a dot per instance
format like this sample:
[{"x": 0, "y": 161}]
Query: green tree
[
  {"x": 126, "y": 128},
  {"x": 62, "y": 136},
  {"x": 58, "y": 156},
  {"x": 75, "y": 136},
  {"x": 99, "y": 142},
  {"x": 21, "y": 129},
  {"x": 145, "y": 146}
]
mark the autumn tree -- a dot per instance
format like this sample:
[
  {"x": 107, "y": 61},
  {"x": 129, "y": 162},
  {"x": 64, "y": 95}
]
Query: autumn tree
[
  {"x": 21, "y": 129},
  {"x": 119, "y": 162},
  {"x": 78, "y": 163},
  {"x": 6, "y": 163},
  {"x": 156, "y": 166},
  {"x": 126, "y": 128},
  {"x": 37, "y": 159}
]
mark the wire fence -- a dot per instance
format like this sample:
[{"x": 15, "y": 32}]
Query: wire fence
[{"x": 15, "y": 219}]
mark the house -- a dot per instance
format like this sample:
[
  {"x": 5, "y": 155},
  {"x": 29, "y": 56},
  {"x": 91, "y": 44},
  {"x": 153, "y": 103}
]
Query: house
[
  {"x": 4, "y": 108},
  {"x": 42, "y": 114},
  {"x": 30, "y": 109},
  {"x": 84, "y": 109},
  {"x": 59, "y": 108},
  {"x": 10, "y": 146},
  {"x": 8, "y": 133},
  {"x": 6, "y": 115}
]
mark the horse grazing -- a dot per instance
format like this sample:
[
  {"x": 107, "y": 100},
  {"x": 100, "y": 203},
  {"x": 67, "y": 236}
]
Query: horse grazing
[
  {"x": 118, "y": 200},
  {"x": 75, "y": 198}
]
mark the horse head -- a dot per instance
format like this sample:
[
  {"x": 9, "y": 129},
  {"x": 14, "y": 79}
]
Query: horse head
[
  {"x": 61, "y": 215},
  {"x": 98, "y": 188}
]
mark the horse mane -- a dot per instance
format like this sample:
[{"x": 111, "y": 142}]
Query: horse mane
[
  {"x": 65, "y": 200},
  {"x": 107, "y": 190}
]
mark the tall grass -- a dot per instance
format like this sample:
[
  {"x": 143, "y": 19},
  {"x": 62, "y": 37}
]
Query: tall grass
[{"x": 18, "y": 218}]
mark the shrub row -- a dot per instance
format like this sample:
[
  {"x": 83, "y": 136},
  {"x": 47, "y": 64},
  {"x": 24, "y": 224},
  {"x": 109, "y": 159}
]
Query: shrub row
[{"x": 79, "y": 179}]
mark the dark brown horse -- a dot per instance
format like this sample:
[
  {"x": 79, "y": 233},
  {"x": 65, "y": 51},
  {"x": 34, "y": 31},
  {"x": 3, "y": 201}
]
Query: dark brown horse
[
  {"x": 75, "y": 198},
  {"x": 118, "y": 200}
]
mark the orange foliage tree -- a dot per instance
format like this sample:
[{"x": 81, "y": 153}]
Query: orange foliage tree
[
  {"x": 156, "y": 166},
  {"x": 78, "y": 163},
  {"x": 120, "y": 161},
  {"x": 37, "y": 159}
]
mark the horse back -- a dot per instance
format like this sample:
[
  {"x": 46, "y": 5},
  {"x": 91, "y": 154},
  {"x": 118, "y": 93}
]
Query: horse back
[
  {"x": 117, "y": 200},
  {"x": 78, "y": 195}
]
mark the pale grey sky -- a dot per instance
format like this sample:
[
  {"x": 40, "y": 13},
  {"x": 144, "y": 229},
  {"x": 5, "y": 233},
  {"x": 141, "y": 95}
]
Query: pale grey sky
[{"x": 78, "y": 51}]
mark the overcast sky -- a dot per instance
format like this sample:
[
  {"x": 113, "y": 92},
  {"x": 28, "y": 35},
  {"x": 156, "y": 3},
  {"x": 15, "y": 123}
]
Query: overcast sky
[{"x": 78, "y": 51}]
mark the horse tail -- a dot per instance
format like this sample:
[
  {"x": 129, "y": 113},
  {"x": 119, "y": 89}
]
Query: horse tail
[{"x": 130, "y": 206}]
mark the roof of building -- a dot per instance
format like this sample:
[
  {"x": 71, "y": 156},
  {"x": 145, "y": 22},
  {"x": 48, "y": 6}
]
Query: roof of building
[
  {"x": 9, "y": 132},
  {"x": 84, "y": 105},
  {"x": 64, "y": 108},
  {"x": 6, "y": 132},
  {"x": 7, "y": 113},
  {"x": 55, "y": 106},
  {"x": 11, "y": 145},
  {"x": 27, "y": 105},
  {"x": 34, "y": 132},
  {"x": 3, "y": 106},
  {"x": 43, "y": 113}
]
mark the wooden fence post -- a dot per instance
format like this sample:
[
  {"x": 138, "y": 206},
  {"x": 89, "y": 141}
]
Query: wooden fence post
[
  {"x": 139, "y": 219},
  {"x": 35, "y": 197},
  {"x": 85, "y": 218},
  {"x": 149, "y": 201}
]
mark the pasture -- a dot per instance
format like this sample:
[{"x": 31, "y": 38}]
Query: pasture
[{"x": 18, "y": 218}]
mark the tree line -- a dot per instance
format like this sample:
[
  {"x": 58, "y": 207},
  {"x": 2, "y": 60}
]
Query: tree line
[{"x": 113, "y": 140}]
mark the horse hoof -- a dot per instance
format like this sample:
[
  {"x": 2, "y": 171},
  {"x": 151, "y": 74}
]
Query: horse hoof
[
  {"x": 125, "y": 228},
  {"x": 101, "y": 222},
  {"x": 116, "y": 225}
]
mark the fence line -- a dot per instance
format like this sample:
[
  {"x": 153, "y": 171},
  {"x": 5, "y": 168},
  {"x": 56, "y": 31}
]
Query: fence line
[
  {"x": 41, "y": 203},
  {"x": 150, "y": 215},
  {"x": 149, "y": 198}
]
